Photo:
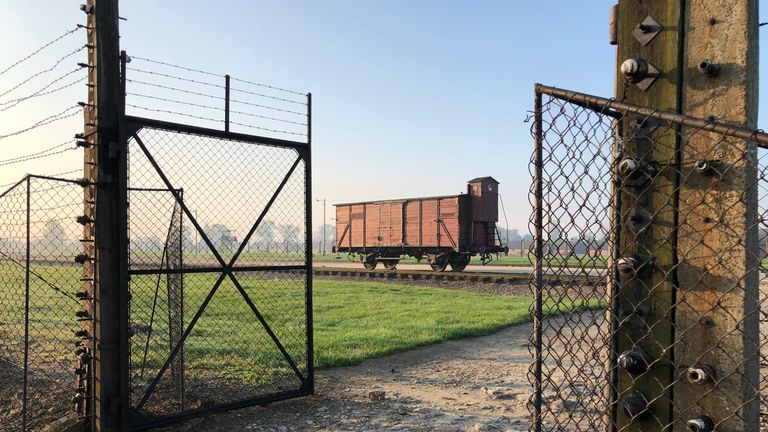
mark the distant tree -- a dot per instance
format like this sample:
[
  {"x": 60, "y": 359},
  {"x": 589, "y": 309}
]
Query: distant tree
[
  {"x": 265, "y": 234},
  {"x": 330, "y": 237},
  {"x": 290, "y": 235}
]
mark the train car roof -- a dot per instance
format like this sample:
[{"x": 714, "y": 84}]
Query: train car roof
[{"x": 398, "y": 200}]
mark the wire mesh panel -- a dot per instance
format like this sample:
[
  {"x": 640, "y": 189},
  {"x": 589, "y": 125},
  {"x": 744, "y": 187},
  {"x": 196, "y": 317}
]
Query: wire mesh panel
[
  {"x": 215, "y": 320},
  {"x": 44, "y": 354},
  {"x": 674, "y": 338}
]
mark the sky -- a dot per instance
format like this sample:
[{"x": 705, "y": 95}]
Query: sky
[{"x": 410, "y": 98}]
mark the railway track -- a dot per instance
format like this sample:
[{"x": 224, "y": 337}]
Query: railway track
[{"x": 495, "y": 277}]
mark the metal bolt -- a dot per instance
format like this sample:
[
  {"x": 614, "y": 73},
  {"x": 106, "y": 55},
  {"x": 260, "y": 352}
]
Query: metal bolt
[
  {"x": 81, "y": 333},
  {"x": 634, "y": 405},
  {"x": 645, "y": 28},
  {"x": 709, "y": 68},
  {"x": 81, "y": 314},
  {"x": 82, "y": 258},
  {"x": 635, "y": 70},
  {"x": 634, "y": 361},
  {"x": 79, "y": 371},
  {"x": 700, "y": 374},
  {"x": 701, "y": 424},
  {"x": 78, "y": 398},
  {"x": 631, "y": 265},
  {"x": 628, "y": 166}
]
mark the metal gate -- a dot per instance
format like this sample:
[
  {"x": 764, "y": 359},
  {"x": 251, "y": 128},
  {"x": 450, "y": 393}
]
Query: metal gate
[
  {"x": 45, "y": 345},
  {"x": 676, "y": 323},
  {"x": 213, "y": 324}
]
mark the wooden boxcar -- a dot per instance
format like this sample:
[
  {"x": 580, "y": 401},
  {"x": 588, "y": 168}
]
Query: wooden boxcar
[{"x": 446, "y": 230}]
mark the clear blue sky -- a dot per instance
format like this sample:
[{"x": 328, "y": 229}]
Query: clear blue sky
[{"x": 410, "y": 97}]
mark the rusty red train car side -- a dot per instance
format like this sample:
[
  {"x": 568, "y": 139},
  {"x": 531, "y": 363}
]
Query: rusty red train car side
[{"x": 446, "y": 230}]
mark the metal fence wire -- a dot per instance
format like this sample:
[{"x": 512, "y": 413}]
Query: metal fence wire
[
  {"x": 667, "y": 330},
  {"x": 44, "y": 345},
  {"x": 215, "y": 321}
]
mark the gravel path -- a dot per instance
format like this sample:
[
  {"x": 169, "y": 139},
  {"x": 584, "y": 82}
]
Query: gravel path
[{"x": 475, "y": 384}]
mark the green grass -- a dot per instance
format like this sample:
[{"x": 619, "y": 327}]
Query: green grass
[{"x": 353, "y": 320}]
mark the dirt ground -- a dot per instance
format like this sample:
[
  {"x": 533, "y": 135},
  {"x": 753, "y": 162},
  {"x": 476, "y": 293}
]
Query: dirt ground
[{"x": 475, "y": 384}]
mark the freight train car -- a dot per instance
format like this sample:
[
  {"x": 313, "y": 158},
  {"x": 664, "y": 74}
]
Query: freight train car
[{"x": 445, "y": 230}]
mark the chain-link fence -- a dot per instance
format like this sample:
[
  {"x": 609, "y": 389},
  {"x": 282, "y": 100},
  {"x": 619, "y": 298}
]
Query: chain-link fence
[
  {"x": 674, "y": 339},
  {"x": 44, "y": 317},
  {"x": 216, "y": 320}
]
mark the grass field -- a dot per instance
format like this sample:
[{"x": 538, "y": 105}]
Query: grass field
[{"x": 353, "y": 320}]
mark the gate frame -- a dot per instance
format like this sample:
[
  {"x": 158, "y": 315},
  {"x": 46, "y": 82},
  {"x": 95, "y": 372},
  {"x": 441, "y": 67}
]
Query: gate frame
[{"x": 132, "y": 126}]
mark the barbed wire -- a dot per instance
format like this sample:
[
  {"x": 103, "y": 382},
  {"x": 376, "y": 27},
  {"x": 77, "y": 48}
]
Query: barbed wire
[
  {"x": 210, "y": 96},
  {"x": 267, "y": 86},
  {"x": 54, "y": 150},
  {"x": 33, "y": 53},
  {"x": 175, "y": 113},
  {"x": 164, "y": 111},
  {"x": 189, "y": 69},
  {"x": 79, "y": 170},
  {"x": 133, "y": 69},
  {"x": 37, "y": 74},
  {"x": 268, "y": 96},
  {"x": 47, "y": 120},
  {"x": 216, "y": 108},
  {"x": 209, "y": 84},
  {"x": 6, "y": 105},
  {"x": 267, "y": 129}
]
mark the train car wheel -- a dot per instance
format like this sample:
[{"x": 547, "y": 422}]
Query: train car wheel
[
  {"x": 440, "y": 263},
  {"x": 391, "y": 264},
  {"x": 370, "y": 263},
  {"x": 460, "y": 263}
]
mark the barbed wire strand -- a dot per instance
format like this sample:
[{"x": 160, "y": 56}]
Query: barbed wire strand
[
  {"x": 37, "y": 74},
  {"x": 33, "y": 53},
  {"x": 209, "y": 84},
  {"x": 189, "y": 69},
  {"x": 216, "y": 108},
  {"x": 79, "y": 170},
  {"x": 43, "y": 91},
  {"x": 57, "y": 149},
  {"x": 47, "y": 120},
  {"x": 210, "y": 96},
  {"x": 212, "y": 119}
]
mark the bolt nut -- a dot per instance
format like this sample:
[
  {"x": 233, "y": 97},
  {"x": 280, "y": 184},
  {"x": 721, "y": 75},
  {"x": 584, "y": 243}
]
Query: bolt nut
[
  {"x": 78, "y": 398},
  {"x": 634, "y": 361},
  {"x": 701, "y": 424},
  {"x": 81, "y": 333},
  {"x": 81, "y": 314},
  {"x": 79, "y": 371},
  {"x": 634, "y": 405},
  {"x": 709, "y": 68},
  {"x": 645, "y": 28},
  {"x": 628, "y": 167},
  {"x": 84, "y": 220},
  {"x": 631, "y": 265},
  {"x": 635, "y": 70},
  {"x": 700, "y": 374},
  {"x": 82, "y": 259},
  {"x": 705, "y": 167}
]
